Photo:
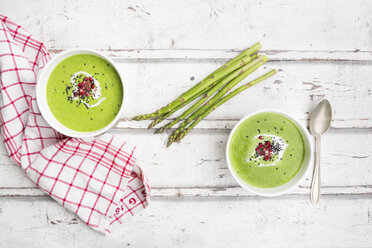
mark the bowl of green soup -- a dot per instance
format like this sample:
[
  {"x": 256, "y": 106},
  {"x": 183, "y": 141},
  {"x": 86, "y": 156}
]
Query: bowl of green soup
[
  {"x": 268, "y": 152},
  {"x": 80, "y": 93}
]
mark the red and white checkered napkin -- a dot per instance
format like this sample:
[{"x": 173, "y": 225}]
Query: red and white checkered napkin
[{"x": 97, "y": 179}]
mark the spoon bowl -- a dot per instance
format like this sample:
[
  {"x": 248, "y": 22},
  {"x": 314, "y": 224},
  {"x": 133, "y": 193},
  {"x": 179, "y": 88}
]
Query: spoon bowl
[{"x": 321, "y": 118}]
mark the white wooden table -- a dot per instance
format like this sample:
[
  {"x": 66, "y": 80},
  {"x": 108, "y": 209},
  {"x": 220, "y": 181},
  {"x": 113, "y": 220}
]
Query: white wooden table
[{"x": 322, "y": 49}]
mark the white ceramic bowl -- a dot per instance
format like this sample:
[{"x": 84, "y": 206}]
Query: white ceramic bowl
[
  {"x": 42, "y": 98},
  {"x": 308, "y": 159}
]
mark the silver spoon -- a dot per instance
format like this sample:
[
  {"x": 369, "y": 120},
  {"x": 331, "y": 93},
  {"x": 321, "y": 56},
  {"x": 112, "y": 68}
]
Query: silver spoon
[{"x": 320, "y": 120}]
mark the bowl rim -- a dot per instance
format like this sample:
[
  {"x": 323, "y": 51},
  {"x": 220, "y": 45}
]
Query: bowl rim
[
  {"x": 41, "y": 98},
  {"x": 271, "y": 192}
]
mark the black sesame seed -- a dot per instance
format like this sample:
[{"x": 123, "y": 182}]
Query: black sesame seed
[
  {"x": 276, "y": 168},
  {"x": 91, "y": 119}
]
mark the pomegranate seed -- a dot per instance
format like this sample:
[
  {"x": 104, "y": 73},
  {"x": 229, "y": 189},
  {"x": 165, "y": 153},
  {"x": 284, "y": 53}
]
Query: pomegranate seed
[
  {"x": 257, "y": 149},
  {"x": 92, "y": 86},
  {"x": 267, "y": 143},
  {"x": 79, "y": 85},
  {"x": 260, "y": 145},
  {"x": 267, "y": 158},
  {"x": 85, "y": 79},
  {"x": 86, "y": 93},
  {"x": 75, "y": 93},
  {"x": 260, "y": 137},
  {"x": 264, "y": 149},
  {"x": 90, "y": 79}
]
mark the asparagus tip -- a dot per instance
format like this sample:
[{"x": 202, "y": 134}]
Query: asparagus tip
[
  {"x": 161, "y": 129},
  {"x": 157, "y": 130},
  {"x": 170, "y": 141}
]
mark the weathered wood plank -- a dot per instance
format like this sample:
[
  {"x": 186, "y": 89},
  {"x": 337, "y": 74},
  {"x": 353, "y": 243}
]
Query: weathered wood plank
[
  {"x": 188, "y": 222},
  {"x": 199, "y": 168},
  {"x": 297, "y": 88},
  {"x": 280, "y": 25},
  {"x": 223, "y": 55},
  {"x": 231, "y": 191},
  {"x": 227, "y": 124}
]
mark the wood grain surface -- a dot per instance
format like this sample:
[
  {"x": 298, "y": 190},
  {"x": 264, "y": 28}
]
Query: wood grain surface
[{"x": 322, "y": 49}]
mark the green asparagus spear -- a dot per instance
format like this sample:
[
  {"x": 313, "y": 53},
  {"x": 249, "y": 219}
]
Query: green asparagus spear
[
  {"x": 221, "y": 72},
  {"x": 210, "y": 93},
  {"x": 162, "y": 117},
  {"x": 258, "y": 62},
  {"x": 200, "y": 86},
  {"x": 223, "y": 100}
]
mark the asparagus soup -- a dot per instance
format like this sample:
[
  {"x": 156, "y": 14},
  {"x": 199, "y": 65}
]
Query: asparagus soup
[
  {"x": 84, "y": 93},
  {"x": 266, "y": 150}
]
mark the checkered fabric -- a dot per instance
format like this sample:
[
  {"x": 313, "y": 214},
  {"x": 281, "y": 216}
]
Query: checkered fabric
[{"x": 97, "y": 179}]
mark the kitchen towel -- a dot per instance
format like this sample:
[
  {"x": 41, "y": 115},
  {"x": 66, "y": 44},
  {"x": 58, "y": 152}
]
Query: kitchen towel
[{"x": 98, "y": 179}]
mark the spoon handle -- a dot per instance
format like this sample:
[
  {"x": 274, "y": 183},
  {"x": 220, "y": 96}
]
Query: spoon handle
[{"x": 315, "y": 184}]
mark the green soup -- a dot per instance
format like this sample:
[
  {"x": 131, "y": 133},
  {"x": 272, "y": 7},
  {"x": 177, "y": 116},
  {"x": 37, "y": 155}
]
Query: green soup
[
  {"x": 84, "y": 93},
  {"x": 266, "y": 150}
]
